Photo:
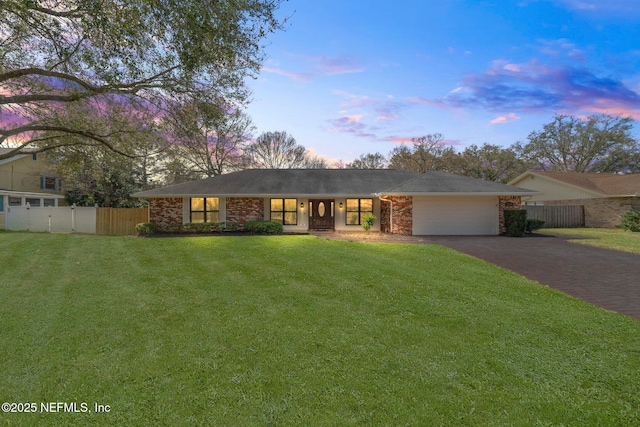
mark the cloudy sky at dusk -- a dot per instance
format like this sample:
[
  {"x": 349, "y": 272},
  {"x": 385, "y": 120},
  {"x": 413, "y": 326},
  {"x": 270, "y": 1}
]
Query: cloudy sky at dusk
[{"x": 354, "y": 77}]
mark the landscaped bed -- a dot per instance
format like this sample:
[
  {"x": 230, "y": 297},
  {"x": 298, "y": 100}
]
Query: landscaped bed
[{"x": 296, "y": 330}]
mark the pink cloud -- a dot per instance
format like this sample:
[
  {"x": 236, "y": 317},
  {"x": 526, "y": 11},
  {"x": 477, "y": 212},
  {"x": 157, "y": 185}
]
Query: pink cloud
[
  {"x": 399, "y": 140},
  {"x": 320, "y": 66},
  {"x": 295, "y": 76},
  {"x": 328, "y": 66},
  {"x": 511, "y": 117}
]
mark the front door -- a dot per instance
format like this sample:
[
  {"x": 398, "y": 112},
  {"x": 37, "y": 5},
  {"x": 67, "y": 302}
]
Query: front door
[{"x": 321, "y": 214}]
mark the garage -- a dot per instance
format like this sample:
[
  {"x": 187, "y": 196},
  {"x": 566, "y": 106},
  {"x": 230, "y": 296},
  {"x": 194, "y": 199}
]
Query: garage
[{"x": 455, "y": 215}]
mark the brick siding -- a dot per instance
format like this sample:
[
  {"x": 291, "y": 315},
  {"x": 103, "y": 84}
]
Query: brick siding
[
  {"x": 165, "y": 212},
  {"x": 243, "y": 209}
]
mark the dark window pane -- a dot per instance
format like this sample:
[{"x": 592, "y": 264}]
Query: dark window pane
[
  {"x": 49, "y": 183},
  {"x": 49, "y": 202}
]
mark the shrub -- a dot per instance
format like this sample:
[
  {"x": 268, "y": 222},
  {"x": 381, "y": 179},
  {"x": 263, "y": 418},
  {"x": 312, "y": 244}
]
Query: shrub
[
  {"x": 263, "y": 227},
  {"x": 146, "y": 228},
  {"x": 231, "y": 226},
  {"x": 515, "y": 221},
  {"x": 631, "y": 221},
  {"x": 368, "y": 221},
  {"x": 202, "y": 227},
  {"x": 534, "y": 224}
]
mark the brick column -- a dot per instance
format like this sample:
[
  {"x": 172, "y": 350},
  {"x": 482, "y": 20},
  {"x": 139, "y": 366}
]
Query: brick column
[
  {"x": 385, "y": 218},
  {"x": 507, "y": 203},
  {"x": 402, "y": 215}
]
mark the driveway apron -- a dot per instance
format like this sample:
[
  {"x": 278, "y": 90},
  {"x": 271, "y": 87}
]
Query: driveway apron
[{"x": 603, "y": 277}]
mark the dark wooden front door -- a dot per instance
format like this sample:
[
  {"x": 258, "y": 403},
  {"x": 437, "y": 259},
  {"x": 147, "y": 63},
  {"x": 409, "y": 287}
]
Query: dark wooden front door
[{"x": 321, "y": 214}]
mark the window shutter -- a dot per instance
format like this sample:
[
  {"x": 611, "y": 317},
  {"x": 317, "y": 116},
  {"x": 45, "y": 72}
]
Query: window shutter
[{"x": 42, "y": 182}]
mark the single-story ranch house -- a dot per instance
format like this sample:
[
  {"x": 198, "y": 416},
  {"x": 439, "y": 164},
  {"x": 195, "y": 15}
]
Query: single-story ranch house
[{"x": 403, "y": 202}]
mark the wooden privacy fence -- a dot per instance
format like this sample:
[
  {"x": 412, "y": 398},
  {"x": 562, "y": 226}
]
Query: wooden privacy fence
[
  {"x": 565, "y": 216},
  {"x": 119, "y": 221}
]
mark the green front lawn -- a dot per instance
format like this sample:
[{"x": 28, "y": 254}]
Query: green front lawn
[
  {"x": 295, "y": 330},
  {"x": 617, "y": 239}
]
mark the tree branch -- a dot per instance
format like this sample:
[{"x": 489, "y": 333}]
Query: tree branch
[{"x": 46, "y": 128}]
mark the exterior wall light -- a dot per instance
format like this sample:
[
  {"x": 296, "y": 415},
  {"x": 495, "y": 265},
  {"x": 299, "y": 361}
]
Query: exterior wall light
[
  {"x": 340, "y": 205},
  {"x": 301, "y": 205}
]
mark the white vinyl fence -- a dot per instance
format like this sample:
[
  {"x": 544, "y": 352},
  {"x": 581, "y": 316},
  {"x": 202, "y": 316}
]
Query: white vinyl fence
[{"x": 51, "y": 219}]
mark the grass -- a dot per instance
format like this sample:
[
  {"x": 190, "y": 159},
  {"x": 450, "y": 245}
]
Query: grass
[
  {"x": 295, "y": 330},
  {"x": 608, "y": 238}
]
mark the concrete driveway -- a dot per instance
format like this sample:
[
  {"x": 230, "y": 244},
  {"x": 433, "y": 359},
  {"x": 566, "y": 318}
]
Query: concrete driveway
[{"x": 603, "y": 277}]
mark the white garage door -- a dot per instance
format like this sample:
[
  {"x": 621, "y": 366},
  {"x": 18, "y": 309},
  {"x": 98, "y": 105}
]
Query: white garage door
[{"x": 455, "y": 215}]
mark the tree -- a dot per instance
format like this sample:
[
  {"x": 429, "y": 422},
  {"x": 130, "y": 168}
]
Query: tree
[
  {"x": 369, "y": 161},
  {"x": 428, "y": 153},
  {"x": 489, "y": 162},
  {"x": 209, "y": 137},
  {"x": 97, "y": 175},
  {"x": 279, "y": 150},
  {"x": 57, "y": 54},
  {"x": 599, "y": 143}
]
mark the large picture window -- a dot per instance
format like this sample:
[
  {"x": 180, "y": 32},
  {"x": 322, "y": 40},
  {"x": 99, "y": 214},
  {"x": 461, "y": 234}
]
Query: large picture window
[
  {"x": 357, "y": 209},
  {"x": 284, "y": 211},
  {"x": 205, "y": 209}
]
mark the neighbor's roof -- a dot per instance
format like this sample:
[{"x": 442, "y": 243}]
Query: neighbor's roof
[
  {"x": 331, "y": 182},
  {"x": 606, "y": 184}
]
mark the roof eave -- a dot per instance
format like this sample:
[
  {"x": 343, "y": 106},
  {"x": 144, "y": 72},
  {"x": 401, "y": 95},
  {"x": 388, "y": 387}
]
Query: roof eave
[{"x": 454, "y": 193}]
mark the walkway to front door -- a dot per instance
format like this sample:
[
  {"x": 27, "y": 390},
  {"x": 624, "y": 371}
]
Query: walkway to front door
[{"x": 321, "y": 214}]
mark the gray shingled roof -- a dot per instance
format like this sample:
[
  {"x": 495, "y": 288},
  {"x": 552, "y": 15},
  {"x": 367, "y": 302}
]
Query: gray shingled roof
[
  {"x": 330, "y": 182},
  {"x": 441, "y": 182}
]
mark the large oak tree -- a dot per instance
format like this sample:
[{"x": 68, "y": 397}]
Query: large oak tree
[
  {"x": 56, "y": 55},
  {"x": 599, "y": 143}
]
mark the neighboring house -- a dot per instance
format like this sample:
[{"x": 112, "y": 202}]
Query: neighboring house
[
  {"x": 605, "y": 197},
  {"x": 403, "y": 202},
  {"x": 25, "y": 178}
]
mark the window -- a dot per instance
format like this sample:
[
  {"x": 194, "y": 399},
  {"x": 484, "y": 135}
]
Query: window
[
  {"x": 1, "y": 203},
  {"x": 49, "y": 202},
  {"x": 357, "y": 209},
  {"x": 34, "y": 156},
  {"x": 49, "y": 183},
  {"x": 205, "y": 209},
  {"x": 15, "y": 201},
  {"x": 284, "y": 211},
  {"x": 34, "y": 203}
]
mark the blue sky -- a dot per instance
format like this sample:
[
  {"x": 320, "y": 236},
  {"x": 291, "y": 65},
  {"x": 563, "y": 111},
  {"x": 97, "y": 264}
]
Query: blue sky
[{"x": 350, "y": 77}]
